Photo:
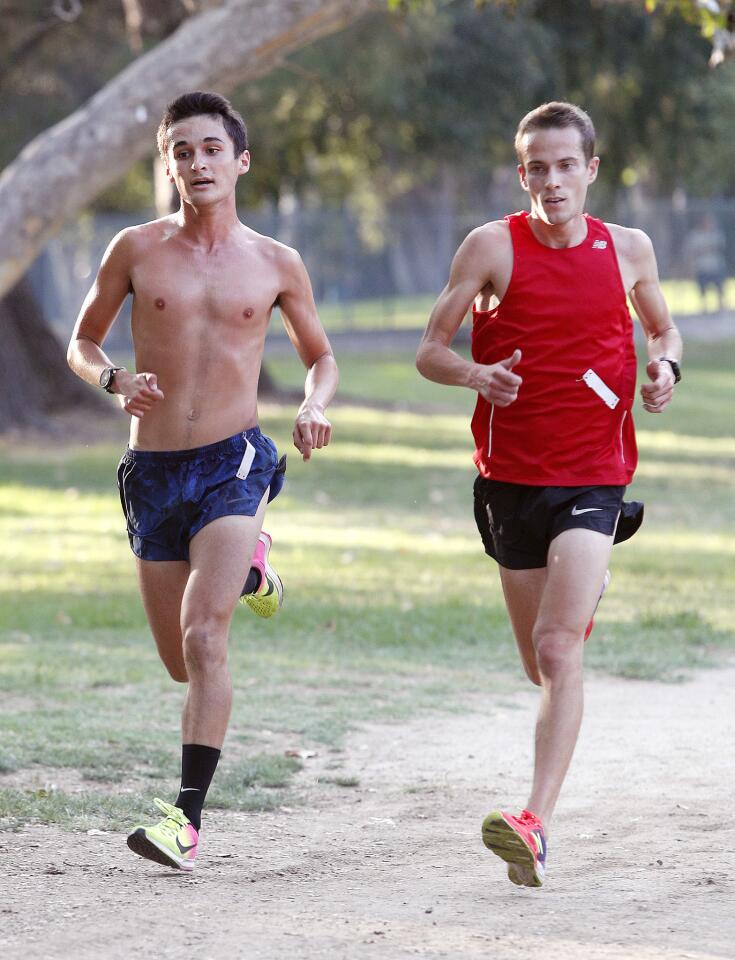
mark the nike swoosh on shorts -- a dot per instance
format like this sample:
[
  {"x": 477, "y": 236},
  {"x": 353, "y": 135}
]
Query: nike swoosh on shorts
[{"x": 576, "y": 511}]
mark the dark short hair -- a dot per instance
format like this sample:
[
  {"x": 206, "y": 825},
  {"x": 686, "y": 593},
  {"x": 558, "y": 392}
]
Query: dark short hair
[
  {"x": 557, "y": 114},
  {"x": 196, "y": 103}
]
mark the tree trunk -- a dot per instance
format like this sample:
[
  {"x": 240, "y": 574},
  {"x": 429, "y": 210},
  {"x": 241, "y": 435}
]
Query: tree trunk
[
  {"x": 35, "y": 378},
  {"x": 65, "y": 167}
]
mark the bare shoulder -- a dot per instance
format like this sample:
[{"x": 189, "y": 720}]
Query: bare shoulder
[
  {"x": 486, "y": 248},
  {"x": 141, "y": 238},
  {"x": 286, "y": 261},
  {"x": 490, "y": 236},
  {"x": 485, "y": 258},
  {"x": 279, "y": 254},
  {"x": 630, "y": 242},
  {"x": 285, "y": 257}
]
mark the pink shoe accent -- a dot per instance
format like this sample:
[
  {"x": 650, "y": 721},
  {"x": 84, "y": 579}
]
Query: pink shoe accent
[
  {"x": 605, "y": 584},
  {"x": 265, "y": 542}
]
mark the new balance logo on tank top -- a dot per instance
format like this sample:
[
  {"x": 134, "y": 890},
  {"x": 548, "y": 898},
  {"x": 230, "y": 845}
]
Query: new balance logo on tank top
[{"x": 565, "y": 308}]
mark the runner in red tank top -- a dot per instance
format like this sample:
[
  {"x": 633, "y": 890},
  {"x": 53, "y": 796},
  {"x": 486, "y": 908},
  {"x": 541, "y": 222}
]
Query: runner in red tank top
[
  {"x": 565, "y": 310},
  {"x": 554, "y": 369}
]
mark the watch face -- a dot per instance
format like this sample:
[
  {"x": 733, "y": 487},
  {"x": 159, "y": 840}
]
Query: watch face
[{"x": 105, "y": 378}]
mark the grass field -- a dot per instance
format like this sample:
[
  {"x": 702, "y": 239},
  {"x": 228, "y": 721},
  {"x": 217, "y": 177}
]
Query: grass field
[
  {"x": 391, "y": 606},
  {"x": 682, "y": 296}
]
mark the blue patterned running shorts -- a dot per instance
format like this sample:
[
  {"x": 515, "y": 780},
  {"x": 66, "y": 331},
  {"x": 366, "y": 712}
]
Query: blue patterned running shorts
[{"x": 168, "y": 496}]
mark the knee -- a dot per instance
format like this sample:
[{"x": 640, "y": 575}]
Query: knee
[
  {"x": 177, "y": 672},
  {"x": 205, "y": 645},
  {"x": 557, "y": 650},
  {"x": 533, "y": 674},
  {"x": 531, "y": 667}
]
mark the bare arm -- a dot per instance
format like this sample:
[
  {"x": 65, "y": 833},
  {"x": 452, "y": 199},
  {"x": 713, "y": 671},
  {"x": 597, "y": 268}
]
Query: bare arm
[
  {"x": 663, "y": 338},
  {"x": 101, "y": 306},
  {"x": 474, "y": 268},
  {"x": 311, "y": 430}
]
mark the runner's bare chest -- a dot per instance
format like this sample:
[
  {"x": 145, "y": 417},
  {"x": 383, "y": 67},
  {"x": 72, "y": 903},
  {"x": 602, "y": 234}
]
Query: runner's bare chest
[{"x": 183, "y": 296}]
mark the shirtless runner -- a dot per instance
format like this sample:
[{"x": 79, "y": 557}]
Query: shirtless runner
[
  {"x": 554, "y": 368},
  {"x": 198, "y": 473}
]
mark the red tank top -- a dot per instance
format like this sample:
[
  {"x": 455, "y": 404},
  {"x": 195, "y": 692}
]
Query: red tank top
[{"x": 566, "y": 310}]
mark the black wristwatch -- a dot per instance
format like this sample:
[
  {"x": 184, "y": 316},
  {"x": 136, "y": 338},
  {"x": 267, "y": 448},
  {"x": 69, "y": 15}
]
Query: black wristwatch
[
  {"x": 675, "y": 369},
  {"x": 107, "y": 377}
]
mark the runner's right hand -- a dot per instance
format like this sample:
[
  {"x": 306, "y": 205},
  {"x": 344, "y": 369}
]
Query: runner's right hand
[
  {"x": 137, "y": 392},
  {"x": 496, "y": 382}
]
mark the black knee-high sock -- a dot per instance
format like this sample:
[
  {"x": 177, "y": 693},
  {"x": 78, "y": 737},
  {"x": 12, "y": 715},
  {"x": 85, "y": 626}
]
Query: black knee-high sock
[{"x": 198, "y": 764}]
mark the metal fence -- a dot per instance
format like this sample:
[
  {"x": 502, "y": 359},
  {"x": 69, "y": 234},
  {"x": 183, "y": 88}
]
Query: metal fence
[{"x": 360, "y": 271}]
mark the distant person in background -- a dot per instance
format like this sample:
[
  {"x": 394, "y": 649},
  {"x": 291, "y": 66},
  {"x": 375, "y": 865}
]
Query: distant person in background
[{"x": 705, "y": 249}]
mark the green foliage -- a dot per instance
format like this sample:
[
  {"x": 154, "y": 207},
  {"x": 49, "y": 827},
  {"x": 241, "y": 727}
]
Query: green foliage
[
  {"x": 709, "y": 16},
  {"x": 395, "y": 110},
  {"x": 385, "y": 106},
  {"x": 51, "y": 66},
  {"x": 660, "y": 123},
  {"x": 383, "y": 110}
]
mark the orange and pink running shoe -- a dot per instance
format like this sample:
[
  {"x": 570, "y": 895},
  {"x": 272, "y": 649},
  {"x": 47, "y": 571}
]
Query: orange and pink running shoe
[
  {"x": 521, "y": 842},
  {"x": 605, "y": 584}
]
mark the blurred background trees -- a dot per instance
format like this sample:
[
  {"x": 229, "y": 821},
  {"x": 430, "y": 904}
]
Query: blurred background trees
[{"x": 388, "y": 139}]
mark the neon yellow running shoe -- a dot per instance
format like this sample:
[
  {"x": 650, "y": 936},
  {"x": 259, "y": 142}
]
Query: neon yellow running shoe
[
  {"x": 172, "y": 842},
  {"x": 268, "y": 598}
]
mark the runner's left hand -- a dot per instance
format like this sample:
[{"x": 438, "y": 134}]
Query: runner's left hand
[
  {"x": 657, "y": 394},
  {"x": 312, "y": 430}
]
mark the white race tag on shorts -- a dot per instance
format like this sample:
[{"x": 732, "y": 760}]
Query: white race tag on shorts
[
  {"x": 601, "y": 389},
  {"x": 247, "y": 461}
]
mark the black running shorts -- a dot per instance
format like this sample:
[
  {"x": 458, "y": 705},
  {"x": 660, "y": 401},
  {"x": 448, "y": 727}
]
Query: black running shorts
[{"x": 517, "y": 522}]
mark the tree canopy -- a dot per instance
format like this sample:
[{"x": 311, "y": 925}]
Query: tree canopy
[
  {"x": 445, "y": 88},
  {"x": 65, "y": 167},
  {"x": 415, "y": 105},
  {"x": 381, "y": 110}
]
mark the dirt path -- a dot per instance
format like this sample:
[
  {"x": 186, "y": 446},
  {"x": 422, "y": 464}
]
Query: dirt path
[{"x": 642, "y": 858}]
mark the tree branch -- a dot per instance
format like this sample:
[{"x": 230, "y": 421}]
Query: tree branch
[{"x": 65, "y": 167}]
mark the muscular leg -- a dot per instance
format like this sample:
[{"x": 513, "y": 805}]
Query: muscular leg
[
  {"x": 162, "y": 585},
  {"x": 220, "y": 557},
  {"x": 522, "y": 590},
  {"x": 577, "y": 561}
]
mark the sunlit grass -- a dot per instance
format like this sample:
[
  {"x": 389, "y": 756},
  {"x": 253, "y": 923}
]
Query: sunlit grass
[
  {"x": 682, "y": 445},
  {"x": 682, "y": 296},
  {"x": 391, "y": 605},
  {"x": 389, "y": 312}
]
